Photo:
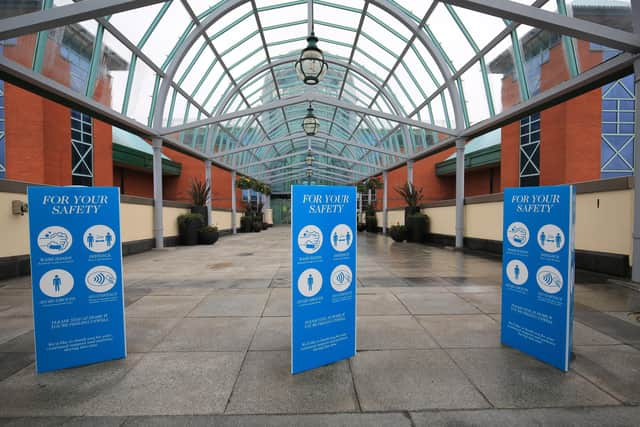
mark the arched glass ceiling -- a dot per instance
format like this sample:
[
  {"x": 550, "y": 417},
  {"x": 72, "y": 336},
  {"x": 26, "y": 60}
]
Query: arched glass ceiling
[{"x": 404, "y": 76}]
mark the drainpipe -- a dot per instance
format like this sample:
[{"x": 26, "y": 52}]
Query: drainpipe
[
  {"x": 460, "y": 193},
  {"x": 158, "y": 232}
]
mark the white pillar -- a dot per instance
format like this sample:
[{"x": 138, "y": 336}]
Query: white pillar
[
  {"x": 385, "y": 216},
  {"x": 459, "y": 193},
  {"x": 410, "y": 172},
  {"x": 158, "y": 232},
  {"x": 359, "y": 207},
  {"x": 207, "y": 175},
  {"x": 233, "y": 202},
  {"x": 635, "y": 268}
]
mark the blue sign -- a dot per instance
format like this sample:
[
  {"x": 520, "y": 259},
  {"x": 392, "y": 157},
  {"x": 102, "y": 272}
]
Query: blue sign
[
  {"x": 538, "y": 270},
  {"x": 323, "y": 271},
  {"x": 76, "y": 276}
]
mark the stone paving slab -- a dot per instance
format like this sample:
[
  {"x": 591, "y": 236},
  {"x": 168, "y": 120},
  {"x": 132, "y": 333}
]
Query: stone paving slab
[
  {"x": 510, "y": 379},
  {"x": 424, "y": 346},
  {"x": 273, "y": 333},
  {"x": 379, "y": 305},
  {"x": 16, "y": 306},
  {"x": 236, "y": 302},
  {"x": 163, "y": 306},
  {"x": 465, "y": 330},
  {"x": 144, "y": 333},
  {"x": 436, "y": 303},
  {"x": 14, "y": 326},
  {"x": 266, "y": 386},
  {"x": 171, "y": 384},
  {"x": 319, "y": 420},
  {"x": 616, "y": 369},
  {"x": 565, "y": 417},
  {"x": 279, "y": 303},
  {"x": 210, "y": 334},
  {"x": 63, "y": 392},
  {"x": 391, "y": 332},
  {"x": 411, "y": 380}
]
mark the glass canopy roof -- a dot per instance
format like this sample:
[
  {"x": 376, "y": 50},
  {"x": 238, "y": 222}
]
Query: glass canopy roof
[{"x": 405, "y": 77}]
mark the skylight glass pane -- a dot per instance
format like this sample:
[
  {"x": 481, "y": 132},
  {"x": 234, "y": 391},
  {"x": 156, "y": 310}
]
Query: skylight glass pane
[
  {"x": 475, "y": 95},
  {"x": 134, "y": 23},
  {"x": 450, "y": 37},
  {"x": 164, "y": 38}
]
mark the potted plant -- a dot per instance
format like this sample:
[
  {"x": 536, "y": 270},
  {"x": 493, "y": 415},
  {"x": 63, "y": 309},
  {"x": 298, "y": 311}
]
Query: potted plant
[
  {"x": 398, "y": 232},
  {"x": 244, "y": 183},
  {"x": 417, "y": 223},
  {"x": 371, "y": 219},
  {"x": 188, "y": 226},
  {"x": 199, "y": 192},
  {"x": 208, "y": 235}
]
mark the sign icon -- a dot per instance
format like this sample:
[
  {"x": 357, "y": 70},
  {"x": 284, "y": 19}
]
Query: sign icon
[
  {"x": 310, "y": 282},
  {"x": 341, "y": 237},
  {"x": 100, "y": 279},
  {"x": 55, "y": 240},
  {"x": 310, "y": 239},
  {"x": 518, "y": 234},
  {"x": 549, "y": 279},
  {"x": 517, "y": 272},
  {"x": 341, "y": 278},
  {"x": 99, "y": 238},
  {"x": 56, "y": 283},
  {"x": 551, "y": 238}
]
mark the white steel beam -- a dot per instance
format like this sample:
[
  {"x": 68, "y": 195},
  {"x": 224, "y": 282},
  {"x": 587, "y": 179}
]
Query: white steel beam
[
  {"x": 59, "y": 16},
  {"x": 555, "y": 22}
]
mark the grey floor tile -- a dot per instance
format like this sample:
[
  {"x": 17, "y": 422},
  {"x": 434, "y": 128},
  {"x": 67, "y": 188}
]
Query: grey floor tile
[
  {"x": 163, "y": 306},
  {"x": 565, "y": 417},
  {"x": 412, "y": 380},
  {"x": 273, "y": 333},
  {"x": 11, "y": 363},
  {"x": 210, "y": 334},
  {"x": 16, "y": 306},
  {"x": 12, "y": 327},
  {"x": 391, "y": 332},
  {"x": 224, "y": 303},
  {"x": 171, "y": 384},
  {"x": 266, "y": 386},
  {"x": 21, "y": 344},
  {"x": 63, "y": 392},
  {"x": 279, "y": 303},
  {"x": 466, "y": 330},
  {"x": 584, "y": 335},
  {"x": 510, "y": 379},
  {"x": 436, "y": 303},
  {"x": 144, "y": 333},
  {"x": 379, "y": 305},
  {"x": 487, "y": 302},
  {"x": 613, "y": 368},
  {"x": 319, "y": 420}
]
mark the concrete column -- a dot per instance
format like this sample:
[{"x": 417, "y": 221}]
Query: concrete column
[
  {"x": 410, "y": 172},
  {"x": 207, "y": 177},
  {"x": 460, "y": 193},
  {"x": 635, "y": 268},
  {"x": 385, "y": 216},
  {"x": 158, "y": 232},
  {"x": 233, "y": 203},
  {"x": 359, "y": 207}
]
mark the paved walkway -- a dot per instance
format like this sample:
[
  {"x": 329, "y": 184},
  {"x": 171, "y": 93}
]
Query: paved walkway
[{"x": 208, "y": 339}]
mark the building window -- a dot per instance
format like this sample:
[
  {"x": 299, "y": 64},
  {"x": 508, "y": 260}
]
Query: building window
[
  {"x": 618, "y": 128},
  {"x": 3, "y": 162},
  {"x": 81, "y": 149},
  {"x": 530, "y": 151}
]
